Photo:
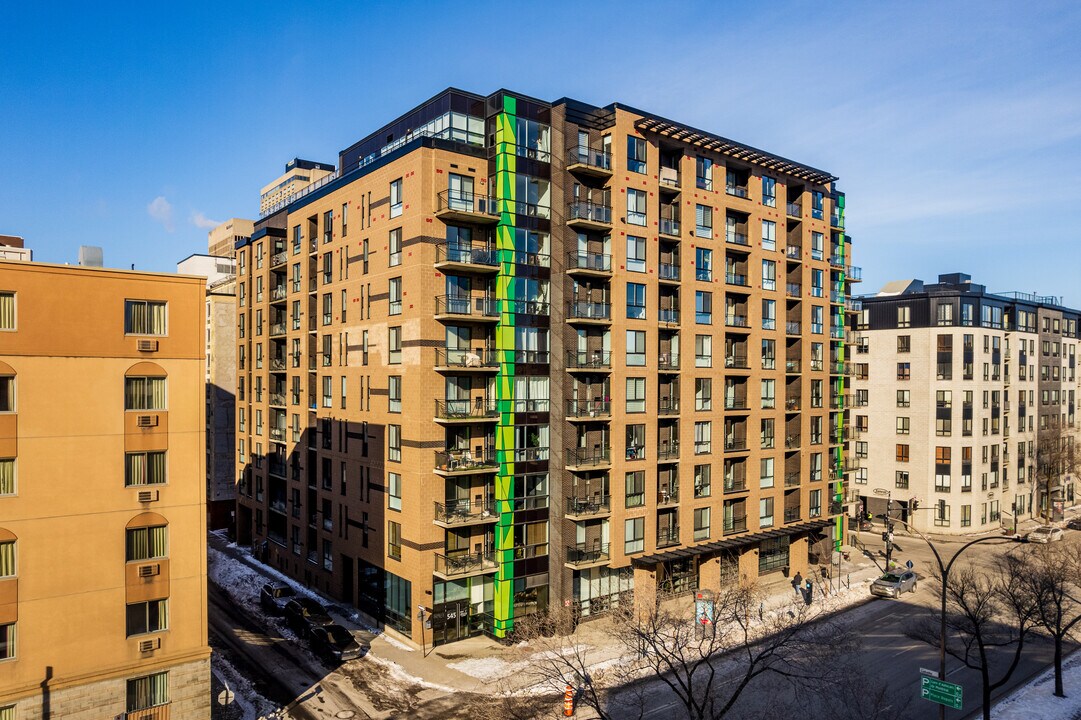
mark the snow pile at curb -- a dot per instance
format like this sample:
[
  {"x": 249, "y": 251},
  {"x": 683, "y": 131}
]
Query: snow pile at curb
[
  {"x": 1036, "y": 698},
  {"x": 253, "y": 705},
  {"x": 397, "y": 672}
]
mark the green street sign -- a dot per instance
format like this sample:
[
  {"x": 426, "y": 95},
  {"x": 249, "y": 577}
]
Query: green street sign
[{"x": 941, "y": 692}]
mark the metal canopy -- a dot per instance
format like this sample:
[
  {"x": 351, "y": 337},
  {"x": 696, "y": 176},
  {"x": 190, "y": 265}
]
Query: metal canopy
[
  {"x": 721, "y": 545},
  {"x": 732, "y": 149}
]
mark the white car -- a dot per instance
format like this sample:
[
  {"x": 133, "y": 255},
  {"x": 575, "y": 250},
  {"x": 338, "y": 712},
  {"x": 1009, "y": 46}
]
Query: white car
[{"x": 1044, "y": 534}]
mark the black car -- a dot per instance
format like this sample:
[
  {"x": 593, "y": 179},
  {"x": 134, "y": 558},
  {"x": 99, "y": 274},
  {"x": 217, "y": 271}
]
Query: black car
[
  {"x": 274, "y": 596},
  {"x": 1074, "y": 524},
  {"x": 303, "y": 614},
  {"x": 334, "y": 643}
]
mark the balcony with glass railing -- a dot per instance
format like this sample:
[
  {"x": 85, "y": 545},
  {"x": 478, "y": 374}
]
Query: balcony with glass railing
[
  {"x": 589, "y": 161},
  {"x": 582, "y": 507},
  {"x": 475, "y": 307},
  {"x": 794, "y": 210},
  {"x": 669, "y": 227},
  {"x": 667, "y": 536},
  {"x": 457, "y": 360},
  {"x": 464, "y": 564},
  {"x": 460, "y": 206},
  {"x": 475, "y": 410},
  {"x": 668, "y": 272},
  {"x": 465, "y": 257},
  {"x": 589, "y": 215}
]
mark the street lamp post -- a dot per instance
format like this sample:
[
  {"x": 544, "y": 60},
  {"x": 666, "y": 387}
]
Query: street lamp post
[
  {"x": 944, "y": 570},
  {"x": 887, "y": 536}
]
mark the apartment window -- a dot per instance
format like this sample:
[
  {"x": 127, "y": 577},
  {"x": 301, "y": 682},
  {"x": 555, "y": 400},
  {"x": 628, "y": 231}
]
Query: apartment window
[
  {"x": 701, "y": 523},
  {"x": 816, "y": 393},
  {"x": 636, "y": 207},
  {"x": 769, "y": 235},
  {"x": 636, "y": 301},
  {"x": 328, "y": 391},
  {"x": 703, "y": 221},
  {"x": 147, "y": 543},
  {"x": 635, "y": 487},
  {"x": 7, "y": 311},
  {"x": 7, "y": 393},
  {"x": 636, "y": 254},
  {"x": 769, "y": 355},
  {"x": 767, "y": 433},
  {"x": 903, "y": 426},
  {"x": 902, "y": 453},
  {"x": 769, "y": 191},
  {"x": 703, "y": 173},
  {"x": 967, "y": 314},
  {"x": 636, "y": 154},
  {"x": 904, "y": 316},
  {"x": 395, "y": 296},
  {"x": 944, "y": 312},
  {"x": 147, "y": 691},
  {"x": 7, "y": 645},
  {"x": 703, "y": 394},
  {"x": 765, "y": 512},
  {"x": 394, "y": 346},
  {"x": 765, "y": 469},
  {"x": 141, "y": 317},
  {"x": 703, "y": 437},
  {"x": 703, "y": 264},
  {"x": 394, "y": 490},
  {"x": 396, "y": 198},
  {"x": 817, "y": 246},
  {"x": 394, "y": 443},
  {"x": 7, "y": 559},
  {"x": 901, "y": 479},
  {"x": 394, "y": 540},
  {"x": 817, "y": 321},
  {"x": 904, "y": 343},
  {"x": 144, "y": 468},
  {"x": 817, "y": 286},
  {"x": 904, "y": 371},
  {"x": 395, "y": 250},
  {"x": 769, "y": 314},
  {"x": 140, "y": 393},
  {"x": 703, "y": 307},
  {"x": 703, "y": 351},
  {"x": 634, "y": 533},
  {"x": 394, "y": 393},
  {"x": 636, "y": 442},
  {"x": 636, "y": 395},
  {"x": 7, "y": 476},
  {"x": 703, "y": 480},
  {"x": 816, "y": 204},
  {"x": 636, "y": 348},
  {"x": 942, "y": 514},
  {"x": 769, "y": 275},
  {"x": 768, "y": 398},
  {"x": 328, "y": 309},
  {"x": 147, "y": 617}
]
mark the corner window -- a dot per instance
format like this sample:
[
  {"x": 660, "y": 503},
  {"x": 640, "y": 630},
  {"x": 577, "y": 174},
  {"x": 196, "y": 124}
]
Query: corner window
[{"x": 141, "y": 317}]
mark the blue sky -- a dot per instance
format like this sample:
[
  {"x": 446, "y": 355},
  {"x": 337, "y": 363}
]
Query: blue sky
[{"x": 955, "y": 127}]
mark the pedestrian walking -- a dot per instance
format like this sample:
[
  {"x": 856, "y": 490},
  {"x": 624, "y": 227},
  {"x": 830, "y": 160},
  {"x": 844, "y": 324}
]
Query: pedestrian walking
[{"x": 797, "y": 582}]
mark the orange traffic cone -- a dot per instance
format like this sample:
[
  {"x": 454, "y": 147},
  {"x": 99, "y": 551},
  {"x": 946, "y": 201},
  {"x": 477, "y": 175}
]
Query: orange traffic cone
[{"x": 568, "y": 702}]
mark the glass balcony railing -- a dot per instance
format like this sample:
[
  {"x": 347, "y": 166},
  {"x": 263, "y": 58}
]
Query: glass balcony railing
[{"x": 466, "y": 202}]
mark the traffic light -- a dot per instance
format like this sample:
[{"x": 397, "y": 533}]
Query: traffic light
[{"x": 915, "y": 504}]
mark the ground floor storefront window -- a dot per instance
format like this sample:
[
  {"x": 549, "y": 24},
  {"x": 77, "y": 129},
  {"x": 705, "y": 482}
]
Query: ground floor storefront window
[
  {"x": 772, "y": 554},
  {"x": 460, "y": 608},
  {"x": 675, "y": 577},
  {"x": 599, "y": 589}
]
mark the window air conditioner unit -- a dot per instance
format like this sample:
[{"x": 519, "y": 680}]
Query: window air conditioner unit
[
  {"x": 147, "y": 346},
  {"x": 146, "y": 646},
  {"x": 146, "y": 571},
  {"x": 146, "y": 421},
  {"x": 146, "y": 496}
]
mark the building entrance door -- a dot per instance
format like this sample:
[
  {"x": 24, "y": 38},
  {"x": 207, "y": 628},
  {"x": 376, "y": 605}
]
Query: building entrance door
[{"x": 450, "y": 622}]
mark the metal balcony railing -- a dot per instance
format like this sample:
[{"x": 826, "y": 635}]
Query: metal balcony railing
[
  {"x": 668, "y": 226},
  {"x": 668, "y": 494},
  {"x": 735, "y": 525},
  {"x": 668, "y": 361},
  {"x": 735, "y": 485},
  {"x": 668, "y": 451},
  {"x": 465, "y": 460},
  {"x": 735, "y": 444},
  {"x": 591, "y": 212},
  {"x": 585, "y": 310},
  {"x": 668, "y": 406},
  {"x": 791, "y": 514},
  {"x": 478, "y": 408},
  {"x": 738, "y": 362},
  {"x": 466, "y": 202},
  {"x": 668, "y": 271},
  {"x": 477, "y": 305},
  {"x": 668, "y": 536},
  {"x": 463, "y": 512},
  {"x": 464, "y": 563},
  {"x": 736, "y": 238},
  {"x": 583, "y": 457},
  {"x": 589, "y": 359},
  {"x": 476, "y": 358},
  {"x": 739, "y": 321},
  {"x": 596, "y": 505},
  {"x": 668, "y": 315},
  {"x": 584, "y": 554},
  {"x": 466, "y": 254},
  {"x": 582, "y": 155},
  {"x": 598, "y": 262},
  {"x": 588, "y": 408}
]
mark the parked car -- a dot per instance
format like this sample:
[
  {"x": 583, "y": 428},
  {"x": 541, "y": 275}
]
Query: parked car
[
  {"x": 893, "y": 584},
  {"x": 274, "y": 596},
  {"x": 1074, "y": 524},
  {"x": 1044, "y": 534},
  {"x": 334, "y": 643},
  {"x": 303, "y": 614}
]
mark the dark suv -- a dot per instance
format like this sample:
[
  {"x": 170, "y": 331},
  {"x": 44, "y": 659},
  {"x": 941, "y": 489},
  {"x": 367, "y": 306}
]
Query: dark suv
[
  {"x": 303, "y": 614},
  {"x": 274, "y": 596}
]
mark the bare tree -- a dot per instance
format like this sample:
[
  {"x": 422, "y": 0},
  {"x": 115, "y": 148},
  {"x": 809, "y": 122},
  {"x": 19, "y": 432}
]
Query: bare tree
[
  {"x": 1055, "y": 460},
  {"x": 987, "y": 614},
  {"x": 1054, "y": 584}
]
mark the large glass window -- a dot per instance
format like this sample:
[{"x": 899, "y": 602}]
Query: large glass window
[
  {"x": 703, "y": 172},
  {"x": 636, "y": 348},
  {"x": 636, "y": 207},
  {"x": 636, "y": 395},
  {"x": 634, "y": 533},
  {"x": 703, "y": 264},
  {"x": 396, "y": 198},
  {"x": 636, "y": 154},
  {"x": 701, "y": 523}
]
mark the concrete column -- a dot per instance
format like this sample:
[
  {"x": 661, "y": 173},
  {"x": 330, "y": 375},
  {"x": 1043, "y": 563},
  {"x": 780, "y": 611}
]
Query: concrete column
[
  {"x": 709, "y": 574},
  {"x": 748, "y": 566},
  {"x": 797, "y": 556}
]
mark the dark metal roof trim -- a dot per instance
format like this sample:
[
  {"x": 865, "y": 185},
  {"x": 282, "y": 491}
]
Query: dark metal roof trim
[
  {"x": 735, "y": 542},
  {"x": 731, "y": 148}
]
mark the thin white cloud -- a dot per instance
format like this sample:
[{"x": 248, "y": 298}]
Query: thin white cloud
[
  {"x": 199, "y": 220},
  {"x": 161, "y": 210}
]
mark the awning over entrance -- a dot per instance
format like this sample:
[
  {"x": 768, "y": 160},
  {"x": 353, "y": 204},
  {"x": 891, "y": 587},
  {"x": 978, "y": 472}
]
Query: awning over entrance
[{"x": 736, "y": 542}]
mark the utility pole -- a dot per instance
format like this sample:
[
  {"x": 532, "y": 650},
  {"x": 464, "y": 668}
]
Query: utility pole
[{"x": 887, "y": 534}]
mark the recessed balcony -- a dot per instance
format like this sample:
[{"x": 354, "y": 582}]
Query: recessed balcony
[
  {"x": 466, "y": 411},
  {"x": 578, "y": 459},
  {"x": 588, "y": 161},
  {"x": 589, "y": 360},
  {"x": 588, "y": 312},
  {"x": 587, "y": 555},
  {"x": 586, "y": 410},
  {"x": 466, "y": 257},
  {"x": 466, "y": 564},
  {"x": 481, "y": 308},
  {"x": 464, "y": 462},
  {"x": 589, "y": 216},
  {"x": 589, "y": 263},
  {"x": 461, "y": 513},
  {"x": 475, "y": 360},
  {"x": 581, "y": 508}
]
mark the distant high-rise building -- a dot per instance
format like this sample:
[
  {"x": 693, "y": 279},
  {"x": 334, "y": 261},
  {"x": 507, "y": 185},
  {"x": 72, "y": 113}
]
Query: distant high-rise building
[
  {"x": 223, "y": 239},
  {"x": 298, "y": 175},
  {"x": 102, "y": 525},
  {"x": 960, "y": 397},
  {"x": 522, "y": 354},
  {"x": 220, "y": 315}
]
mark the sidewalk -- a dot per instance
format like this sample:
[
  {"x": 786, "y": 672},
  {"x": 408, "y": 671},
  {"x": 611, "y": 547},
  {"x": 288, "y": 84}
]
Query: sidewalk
[{"x": 474, "y": 664}]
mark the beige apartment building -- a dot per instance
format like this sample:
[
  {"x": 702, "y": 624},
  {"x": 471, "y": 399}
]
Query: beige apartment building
[
  {"x": 298, "y": 176},
  {"x": 960, "y": 398},
  {"x": 520, "y": 354},
  {"x": 102, "y": 503},
  {"x": 223, "y": 239}
]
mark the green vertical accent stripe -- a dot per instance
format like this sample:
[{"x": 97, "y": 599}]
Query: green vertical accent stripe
[{"x": 505, "y": 172}]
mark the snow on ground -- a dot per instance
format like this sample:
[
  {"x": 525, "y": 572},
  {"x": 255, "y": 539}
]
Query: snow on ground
[
  {"x": 253, "y": 706},
  {"x": 403, "y": 676},
  {"x": 395, "y": 642},
  {"x": 1036, "y": 699}
]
